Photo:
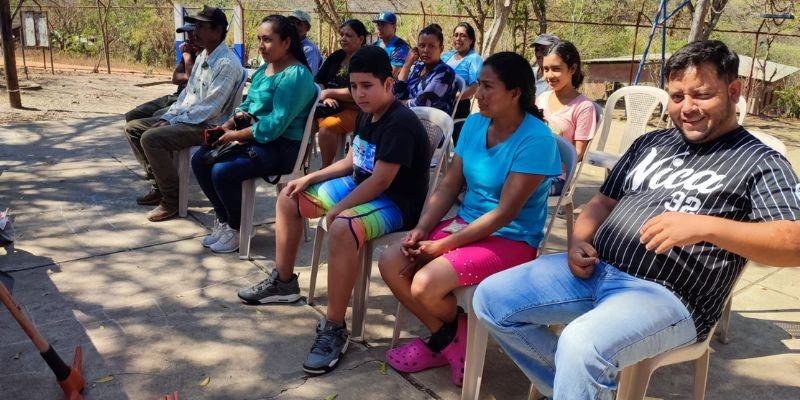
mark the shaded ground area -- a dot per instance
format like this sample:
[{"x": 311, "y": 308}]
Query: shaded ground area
[{"x": 158, "y": 313}]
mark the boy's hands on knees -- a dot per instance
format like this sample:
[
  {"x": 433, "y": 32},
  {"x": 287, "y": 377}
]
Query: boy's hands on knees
[
  {"x": 582, "y": 258},
  {"x": 294, "y": 187},
  {"x": 671, "y": 229}
]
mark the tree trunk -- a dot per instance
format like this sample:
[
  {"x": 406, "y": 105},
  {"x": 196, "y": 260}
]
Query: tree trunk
[
  {"x": 540, "y": 9},
  {"x": 501, "y": 10},
  {"x": 698, "y": 20}
]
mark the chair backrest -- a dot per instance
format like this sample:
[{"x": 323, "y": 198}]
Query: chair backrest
[
  {"x": 569, "y": 189},
  {"x": 640, "y": 102},
  {"x": 569, "y": 159},
  {"x": 439, "y": 127},
  {"x": 741, "y": 109},
  {"x": 770, "y": 141},
  {"x": 460, "y": 86},
  {"x": 297, "y": 170}
]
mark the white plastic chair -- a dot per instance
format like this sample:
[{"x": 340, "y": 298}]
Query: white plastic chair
[
  {"x": 477, "y": 334},
  {"x": 634, "y": 379},
  {"x": 249, "y": 186},
  {"x": 741, "y": 109},
  {"x": 183, "y": 157},
  {"x": 640, "y": 102},
  {"x": 439, "y": 126},
  {"x": 569, "y": 187},
  {"x": 460, "y": 86}
]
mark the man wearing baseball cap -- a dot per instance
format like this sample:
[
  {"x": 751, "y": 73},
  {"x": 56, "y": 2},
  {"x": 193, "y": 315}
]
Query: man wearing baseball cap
[
  {"x": 540, "y": 45},
  {"x": 302, "y": 22},
  {"x": 396, "y": 48},
  {"x": 180, "y": 76},
  {"x": 208, "y": 100}
]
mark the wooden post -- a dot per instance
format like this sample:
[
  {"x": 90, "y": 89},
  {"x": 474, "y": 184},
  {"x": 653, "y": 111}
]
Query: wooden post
[{"x": 12, "y": 83}]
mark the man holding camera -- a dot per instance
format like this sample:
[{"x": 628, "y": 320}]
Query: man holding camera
[{"x": 208, "y": 99}]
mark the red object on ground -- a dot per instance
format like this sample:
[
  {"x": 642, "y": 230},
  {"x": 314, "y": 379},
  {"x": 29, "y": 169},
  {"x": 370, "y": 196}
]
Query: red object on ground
[{"x": 73, "y": 385}]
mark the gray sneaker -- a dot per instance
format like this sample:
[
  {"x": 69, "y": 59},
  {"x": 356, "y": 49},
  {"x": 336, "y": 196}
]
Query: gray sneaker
[
  {"x": 272, "y": 290},
  {"x": 328, "y": 348}
]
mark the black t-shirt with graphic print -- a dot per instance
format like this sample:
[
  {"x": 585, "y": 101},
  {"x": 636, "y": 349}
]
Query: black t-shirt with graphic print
[
  {"x": 736, "y": 177},
  {"x": 398, "y": 138}
]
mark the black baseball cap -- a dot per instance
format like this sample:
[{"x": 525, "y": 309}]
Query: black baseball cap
[{"x": 208, "y": 14}]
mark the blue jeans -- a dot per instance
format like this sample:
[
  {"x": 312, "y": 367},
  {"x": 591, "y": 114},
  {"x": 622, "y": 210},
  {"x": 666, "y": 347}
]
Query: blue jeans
[
  {"x": 614, "y": 320},
  {"x": 222, "y": 181}
]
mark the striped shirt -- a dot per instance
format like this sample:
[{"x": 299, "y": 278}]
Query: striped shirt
[
  {"x": 734, "y": 177},
  {"x": 436, "y": 89},
  {"x": 211, "y": 93}
]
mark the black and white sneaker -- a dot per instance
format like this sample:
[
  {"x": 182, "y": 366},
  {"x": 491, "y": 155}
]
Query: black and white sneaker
[
  {"x": 328, "y": 348},
  {"x": 272, "y": 290}
]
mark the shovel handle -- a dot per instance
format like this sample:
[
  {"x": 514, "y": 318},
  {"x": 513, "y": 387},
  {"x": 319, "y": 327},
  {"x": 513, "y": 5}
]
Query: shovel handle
[{"x": 23, "y": 321}]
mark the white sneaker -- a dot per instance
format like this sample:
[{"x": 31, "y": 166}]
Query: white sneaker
[
  {"x": 228, "y": 241},
  {"x": 216, "y": 231}
]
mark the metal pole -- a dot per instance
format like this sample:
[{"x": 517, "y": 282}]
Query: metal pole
[
  {"x": 633, "y": 48},
  {"x": 12, "y": 83},
  {"x": 753, "y": 61},
  {"x": 22, "y": 49},
  {"x": 663, "y": 40}
]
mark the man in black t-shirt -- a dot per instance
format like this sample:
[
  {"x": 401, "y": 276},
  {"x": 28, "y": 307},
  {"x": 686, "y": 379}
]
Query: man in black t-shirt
[
  {"x": 656, "y": 253},
  {"x": 378, "y": 188}
]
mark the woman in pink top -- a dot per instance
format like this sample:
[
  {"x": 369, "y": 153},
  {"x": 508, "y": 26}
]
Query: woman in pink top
[{"x": 567, "y": 112}]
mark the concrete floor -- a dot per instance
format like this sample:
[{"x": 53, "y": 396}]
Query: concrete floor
[{"x": 158, "y": 313}]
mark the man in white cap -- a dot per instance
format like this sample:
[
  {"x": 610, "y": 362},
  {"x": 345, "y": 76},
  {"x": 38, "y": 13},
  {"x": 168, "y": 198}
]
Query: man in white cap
[
  {"x": 180, "y": 76},
  {"x": 540, "y": 46},
  {"x": 302, "y": 22}
]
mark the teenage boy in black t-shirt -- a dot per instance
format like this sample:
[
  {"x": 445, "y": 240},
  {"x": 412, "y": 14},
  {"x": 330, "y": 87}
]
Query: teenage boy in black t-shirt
[
  {"x": 656, "y": 253},
  {"x": 378, "y": 188}
]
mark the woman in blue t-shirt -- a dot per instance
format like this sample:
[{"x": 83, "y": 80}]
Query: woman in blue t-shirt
[
  {"x": 467, "y": 64},
  {"x": 505, "y": 156}
]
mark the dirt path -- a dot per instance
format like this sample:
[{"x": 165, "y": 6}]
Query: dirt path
[{"x": 82, "y": 95}]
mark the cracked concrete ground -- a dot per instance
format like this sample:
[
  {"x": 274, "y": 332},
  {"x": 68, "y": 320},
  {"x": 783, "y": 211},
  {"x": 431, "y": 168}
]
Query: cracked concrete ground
[{"x": 158, "y": 313}]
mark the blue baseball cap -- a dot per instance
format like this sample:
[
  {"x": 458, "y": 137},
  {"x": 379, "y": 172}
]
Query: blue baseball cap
[{"x": 386, "y": 17}]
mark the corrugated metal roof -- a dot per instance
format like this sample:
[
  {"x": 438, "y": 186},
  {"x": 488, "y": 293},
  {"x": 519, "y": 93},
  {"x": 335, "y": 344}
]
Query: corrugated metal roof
[{"x": 774, "y": 71}]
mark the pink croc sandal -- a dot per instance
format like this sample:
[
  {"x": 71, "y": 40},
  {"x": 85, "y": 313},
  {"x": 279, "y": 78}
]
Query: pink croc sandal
[
  {"x": 414, "y": 356},
  {"x": 456, "y": 351}
]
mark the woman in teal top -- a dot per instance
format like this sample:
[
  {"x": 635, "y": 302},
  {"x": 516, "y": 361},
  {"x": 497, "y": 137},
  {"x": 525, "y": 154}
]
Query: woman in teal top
[
  {"x": 269, "y": 123},
  {"x": 467, "y": 63}
]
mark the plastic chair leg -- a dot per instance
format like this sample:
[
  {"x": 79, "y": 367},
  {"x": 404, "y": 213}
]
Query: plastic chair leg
[
  {"x": 701, "y": 375},
  {"x": 246, "y": 224},
  {"x": 569, "y": 215},
  {"x": 361, "y": 292},
  {"x": 725, "y": 323},
  {"x": 533, "y": 394},
  {"x": 477, "y": 337},
  {"x": 319, "y": 237},
  {"x": 182, "y": 161},
  {"x": 400, "y": 317},
  {"x": 634, "y": 381}
]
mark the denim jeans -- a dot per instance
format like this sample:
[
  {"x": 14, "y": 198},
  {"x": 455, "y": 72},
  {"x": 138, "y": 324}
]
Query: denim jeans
[
  {"x": 222, "y": 181},
  {"x": 613, "y": 320}
]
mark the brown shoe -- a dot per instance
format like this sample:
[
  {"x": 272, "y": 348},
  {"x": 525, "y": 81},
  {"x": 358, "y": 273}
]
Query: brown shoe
[
  {"x": 162, "y": 213},
  {"x": 150, "y": 199}
]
